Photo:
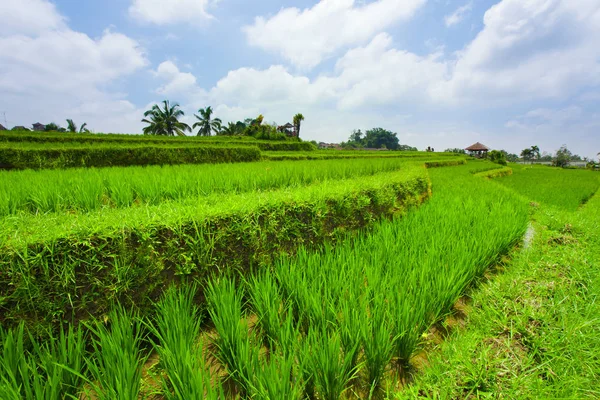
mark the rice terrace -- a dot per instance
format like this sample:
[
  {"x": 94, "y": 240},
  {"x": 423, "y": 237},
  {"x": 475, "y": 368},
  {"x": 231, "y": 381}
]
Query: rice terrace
[{"x": 390, "y": 200}]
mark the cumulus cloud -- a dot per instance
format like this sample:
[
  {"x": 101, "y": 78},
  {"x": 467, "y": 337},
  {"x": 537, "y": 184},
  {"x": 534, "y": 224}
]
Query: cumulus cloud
[
  {"x": 57, "y": 72},
  {"x": 306, "y": 37},
  {"x": 530, "y": 50},
  {"x": 458, "y": 15},
  {"x": 177, "y": 82},
  {"x": 29, "y": 17},
  {"x": 163, "y": 12}
]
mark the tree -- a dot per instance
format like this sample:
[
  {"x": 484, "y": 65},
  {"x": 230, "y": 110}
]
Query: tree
[
  {"x": 165, "y": 121},
  {"x": 72, "y": 127},
  {"x": 497, "y": 157},
  {"x": 456, "y": 150},
  {"x": 52, "y": 127},
  {"x": 535, "y": 152},
  {"x": 377, "y": 138},
  {"x": 527, "y": 154},
  {"x": 297, "y": 121},
  {"x": 563, "y": 156},
  {"x": 205, "y": 124},
  {"x": 233, "y": 129}
]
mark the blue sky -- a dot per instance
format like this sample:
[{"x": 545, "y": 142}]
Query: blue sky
[{"x": 441, "y": 73}]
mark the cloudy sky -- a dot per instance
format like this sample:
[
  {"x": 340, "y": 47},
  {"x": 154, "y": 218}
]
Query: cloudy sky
[{"x": 441, "y": 73}]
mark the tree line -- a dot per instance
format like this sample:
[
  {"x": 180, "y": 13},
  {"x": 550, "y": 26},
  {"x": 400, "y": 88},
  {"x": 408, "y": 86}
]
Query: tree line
[{"x": 164, "y": 121}]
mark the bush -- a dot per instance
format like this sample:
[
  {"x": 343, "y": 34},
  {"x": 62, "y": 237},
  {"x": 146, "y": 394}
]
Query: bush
[{"x": 497, "y": 157}]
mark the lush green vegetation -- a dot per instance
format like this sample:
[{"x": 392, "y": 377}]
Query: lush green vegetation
[
  {"x": 43, "y": 158},
  {"x": 565, "y": 188},
  {"x": 64, "y": 265},
  {"x": 85, "y": 190},
  {"x": 319, "y": 279},
  {"x": 530, "y": 330},
  {"x": 328, "y": 331}
]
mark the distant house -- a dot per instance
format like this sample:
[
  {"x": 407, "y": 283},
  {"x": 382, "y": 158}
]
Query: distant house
[
  {"x": 39, "y": 127},
  {"x": 2, "y": 128},
  {"x": 19, "y": 128},
  {"x": 288, "y": 129},
  {"x": 478, "y": 150}
]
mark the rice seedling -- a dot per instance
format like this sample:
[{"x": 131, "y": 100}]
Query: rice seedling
[
  {"x": 233, "y": 346},
  {"x": 330, "y": 366},
  {"x": 177, "y": 330},
  {"x": 116, "y": 365},
  {"x": 278, "y": 378}
]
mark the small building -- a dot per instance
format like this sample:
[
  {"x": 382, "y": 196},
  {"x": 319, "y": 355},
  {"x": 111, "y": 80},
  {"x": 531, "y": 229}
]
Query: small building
[
  {"x": 478, "y": 150},
  {"x": 39, "y": 127},
  {"x": 2, "y": 128}
]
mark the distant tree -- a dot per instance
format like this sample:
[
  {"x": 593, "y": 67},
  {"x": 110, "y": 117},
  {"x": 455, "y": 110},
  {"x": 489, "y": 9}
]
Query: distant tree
[
  {"x": 456, "y": 150},
  {"x": 535, "y": 152},
  {"x": 497, "y": 157},
  {"x": 297, "y": 122},
  {"x": 510, "y": 156},
  {"x": 377, "y": 138},
  {"x": 405, "y": 147},
  {"x": 206, "y": 123},
  {"x": 72, "y": 127},
  {"x": 165, "y": 121},
  {"x": 527, "y": 154},
  {"x": 562, "y": 157},
  {"x": 233, "y": 129},
  {"x": 356, "y": 136},
  {"x": 52, "y": 127}
]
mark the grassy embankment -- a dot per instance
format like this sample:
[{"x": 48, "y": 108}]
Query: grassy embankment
[{"x": 532, "y": 330}]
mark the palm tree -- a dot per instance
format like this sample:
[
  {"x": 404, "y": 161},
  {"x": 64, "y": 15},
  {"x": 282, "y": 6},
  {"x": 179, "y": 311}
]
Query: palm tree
[
  {"x": 206, "y": 124},
  {"x": 298, "y": 118},
  {"x": 72, "y": 127},
  {"x": 233, "y": 129},
  {"x": 535, "y": 151},
  {"x": 165, "y": 121}
]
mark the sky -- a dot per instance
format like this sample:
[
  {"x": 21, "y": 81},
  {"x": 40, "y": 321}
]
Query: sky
[{"x": 441, "y": 73}]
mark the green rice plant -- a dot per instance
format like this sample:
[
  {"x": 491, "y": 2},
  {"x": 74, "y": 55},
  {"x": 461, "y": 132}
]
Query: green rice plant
[
  {"x": 329, "y": 365},
  {"x": 233, "y": 347},
  {"x": 15, "y": 371},
  {"x": 376, "y": 333},
  {"x": 563, "y": 188},
  {"x": 177, "y": 330},
  {"x": 116, "y": 365},
  {"x": 267, "y": 303},
  {"x": 60, "y": 364},
  {"x": 278, "y": 378},
  {"x": 86, "y": 190}
]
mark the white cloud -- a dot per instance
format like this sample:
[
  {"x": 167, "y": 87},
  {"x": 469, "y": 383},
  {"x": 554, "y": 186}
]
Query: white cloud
[
  {"x": 163, "y": 12},
  {"x": 177, "y": 82},
  {"x": 458, "y": 15},
  {"x": 532, "y": 49},
  {"x": 29, "y": 17},
  {"x": 50, "y": 72},
  {"x": 306, "y": 37}
]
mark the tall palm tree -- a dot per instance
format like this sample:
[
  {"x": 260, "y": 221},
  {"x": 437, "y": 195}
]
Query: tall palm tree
[
  {"x": 72, "y": 127},
  {"x": 165, "y": 121},
  {"x": 298, "y": 118},
  {"x": 206, "y": 124},
  {"x": 535, "y": 151}
]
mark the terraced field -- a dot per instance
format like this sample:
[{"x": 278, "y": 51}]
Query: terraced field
[{"x": 313, "y": 278}]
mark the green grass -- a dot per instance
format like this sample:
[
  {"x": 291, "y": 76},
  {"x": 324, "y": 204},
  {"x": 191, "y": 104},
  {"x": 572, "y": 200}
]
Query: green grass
[
  {"x": 84, "y": 190},
  {"x": 563, "y": 188},
  {"x": 531, "y": 330}
]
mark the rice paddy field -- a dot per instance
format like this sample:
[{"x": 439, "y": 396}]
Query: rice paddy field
[{"x": 290, "y": 278}]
